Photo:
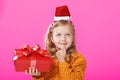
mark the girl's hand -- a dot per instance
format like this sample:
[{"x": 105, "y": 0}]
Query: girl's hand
[
  {"x": 61, "y": 54},
  {"x": 33, "y": 72}
]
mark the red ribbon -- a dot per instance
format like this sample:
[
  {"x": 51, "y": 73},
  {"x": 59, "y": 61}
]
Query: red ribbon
[{"x": 27, "y": 50}]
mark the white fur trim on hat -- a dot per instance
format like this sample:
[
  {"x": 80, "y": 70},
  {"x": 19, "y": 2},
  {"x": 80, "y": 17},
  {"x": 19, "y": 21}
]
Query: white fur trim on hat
[{"x": 61, "y": 18}]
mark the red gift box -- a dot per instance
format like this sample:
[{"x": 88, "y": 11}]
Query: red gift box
[{"x": 32, "y": 57}]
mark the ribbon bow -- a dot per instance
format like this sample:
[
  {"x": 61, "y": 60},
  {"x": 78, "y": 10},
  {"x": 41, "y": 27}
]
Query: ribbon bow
[{"x": 27, "y": 50}]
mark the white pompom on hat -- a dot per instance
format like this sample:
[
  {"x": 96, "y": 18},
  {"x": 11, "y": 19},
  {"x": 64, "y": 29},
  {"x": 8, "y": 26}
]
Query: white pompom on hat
[{"x": 62, "y": 13}]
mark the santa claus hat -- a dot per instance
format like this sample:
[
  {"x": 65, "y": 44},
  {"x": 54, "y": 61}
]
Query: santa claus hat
[{"x": 62, "y": 13}]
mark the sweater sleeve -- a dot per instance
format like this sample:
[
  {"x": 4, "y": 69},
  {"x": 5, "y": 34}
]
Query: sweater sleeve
[
  {"x": 74, "y": 70},
  {"x": 37, "y": 78}
]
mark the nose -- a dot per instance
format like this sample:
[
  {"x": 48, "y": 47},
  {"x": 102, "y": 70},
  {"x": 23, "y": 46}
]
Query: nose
[{"x": 63, "y": 38}]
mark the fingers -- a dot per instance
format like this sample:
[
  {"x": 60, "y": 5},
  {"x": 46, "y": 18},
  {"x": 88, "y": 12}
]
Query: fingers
[
  {"x": 26, "y": 72},
  {"x": 33, "y": 71},
  {"x": 30, "y": 70},
  {"x": 63, "y": 49},
  {"x": 37, "y": 72}
]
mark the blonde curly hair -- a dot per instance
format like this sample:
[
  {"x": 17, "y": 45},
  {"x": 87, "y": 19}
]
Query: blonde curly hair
[{"x": 50, "y": 46}]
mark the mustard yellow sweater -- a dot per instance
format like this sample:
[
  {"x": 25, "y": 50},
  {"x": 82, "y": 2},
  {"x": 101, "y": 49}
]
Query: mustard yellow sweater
[{"x": 73, "y": 70}]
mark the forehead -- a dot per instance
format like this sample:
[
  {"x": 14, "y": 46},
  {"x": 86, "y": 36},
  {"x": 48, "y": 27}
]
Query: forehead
[{"x": 62, "y": 28}]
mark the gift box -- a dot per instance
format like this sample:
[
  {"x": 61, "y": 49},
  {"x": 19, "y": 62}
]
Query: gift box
[{"x": 32, "y": 57}]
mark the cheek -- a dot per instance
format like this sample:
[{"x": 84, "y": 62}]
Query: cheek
[
  {"x": 70, "y": 39},
  {"x": 55, "y": 40}
]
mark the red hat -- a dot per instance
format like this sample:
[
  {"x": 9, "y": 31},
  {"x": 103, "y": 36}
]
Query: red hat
[{"x": 62, "y": 13}]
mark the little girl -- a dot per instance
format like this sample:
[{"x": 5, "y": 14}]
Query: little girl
[{"x": 68, "y": 64}]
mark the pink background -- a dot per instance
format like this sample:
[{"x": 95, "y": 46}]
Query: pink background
[{"x": 97, "y": 24}]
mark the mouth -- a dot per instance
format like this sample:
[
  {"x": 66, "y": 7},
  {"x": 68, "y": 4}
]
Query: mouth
[{"x": 63, "y": 43}]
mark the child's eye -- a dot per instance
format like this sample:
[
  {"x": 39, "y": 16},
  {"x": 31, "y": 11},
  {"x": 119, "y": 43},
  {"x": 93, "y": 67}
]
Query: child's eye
[
  {"x": 68, "y": 34},
  {"x": 58, "y": 35}
]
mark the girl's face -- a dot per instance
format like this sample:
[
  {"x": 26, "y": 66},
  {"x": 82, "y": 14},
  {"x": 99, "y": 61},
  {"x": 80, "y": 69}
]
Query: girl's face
[{"x": 62, "y": 36}]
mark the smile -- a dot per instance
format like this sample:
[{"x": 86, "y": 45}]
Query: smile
[{"x": 63, "y": 43}]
